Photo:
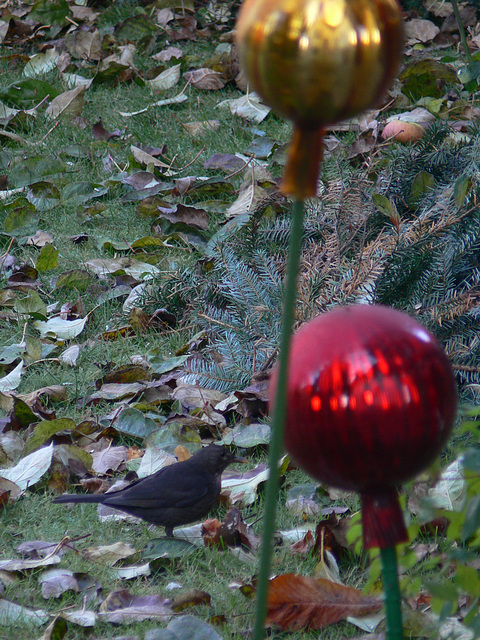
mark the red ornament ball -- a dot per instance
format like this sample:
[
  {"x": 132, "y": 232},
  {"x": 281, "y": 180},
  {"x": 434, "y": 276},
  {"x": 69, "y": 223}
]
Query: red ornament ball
[{"x": 371, "y": 398}]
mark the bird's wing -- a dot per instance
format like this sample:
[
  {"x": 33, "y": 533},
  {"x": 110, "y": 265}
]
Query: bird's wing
[{"x": 164, "y": 489}]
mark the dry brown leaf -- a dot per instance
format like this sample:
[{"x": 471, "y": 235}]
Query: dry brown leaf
[
  {"x": 232, "y": 532},
  {"x": 304, "y": 545},
  {"x": 85, "y": 44},
  {"x": 297, "y": 602},
  {"x": 67, "y": 103},
  {"x": 197, "y": 128},
  {"x": 167, "y": 54},
  {"x": 418, "y": 30},
  {"x": 205, "y": 79},
  {"x": 124, "y": 607},
  {"x": 191, "y": 598}
]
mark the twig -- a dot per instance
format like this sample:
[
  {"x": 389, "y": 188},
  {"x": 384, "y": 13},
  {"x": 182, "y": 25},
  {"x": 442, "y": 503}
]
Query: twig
[
  {"x": 231, "y": 175},
  {"x": 192, "y": 161},
  {"x": 461, "y": 29}
]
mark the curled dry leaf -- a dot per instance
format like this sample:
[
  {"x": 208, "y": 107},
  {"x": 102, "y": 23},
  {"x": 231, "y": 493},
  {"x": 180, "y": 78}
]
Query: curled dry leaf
[
  {"x": 167, "y": 54},
  {"x": 232, "y": 532},
  {"x": 249, "y": 107},
  {"x": 297, "y": 602},
  {"x": 20, "y": 564}
]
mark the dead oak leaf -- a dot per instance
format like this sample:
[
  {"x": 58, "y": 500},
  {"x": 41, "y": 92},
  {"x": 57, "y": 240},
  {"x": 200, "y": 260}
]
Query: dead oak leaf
[{"x": 297, "y": 602}]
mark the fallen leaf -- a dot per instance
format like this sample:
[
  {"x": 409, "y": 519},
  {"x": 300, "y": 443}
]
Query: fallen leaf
[
  {"x": 40, "y": 239},
  {"x": 35, "y": 549},
  {"x": 418, "y": 30},
  {"x": 12, "y": 379},
  {"x": 110, "y": 554},
  {"x": 56, "y": 581},
  {"x": 450, "y": 492},
  {"x": 167, "y": 54},
  {"x": 67, "y": 103},
  {"x": 242, "y": 487},
  {"x": 296, "y": 602},
  {"x": 232, "y": 532},
  {"x": 162, "y": 548},
  {"x": 191, "y": 598},
  {"x": 29, "y": 469},
  {"x": 132, "y": 571},
  {"x": 80, "y": 617},
  {"x": 12, "y": 615},
  {"x": 165, "y": 80},
  {"x": 249, "y": 107},
  {"x": 23, "y": 565},
  {"x": 153, "y": 460},
  {"x": 41, "y": 63},
  {"x": 183, "y": 627},
  {"x": 145, "y": 158},
  {"x": 204, "y": 126},
  {"x": 122, "y": 606},
  {"x": 249, "y": 198},
  {"x": 59, "y": 328},
  {"x": 70, "y": 355},
  {"x": 206, "y": 79},
  {"x": 108, "y": 459}
]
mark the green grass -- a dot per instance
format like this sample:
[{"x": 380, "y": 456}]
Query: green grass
[
  {"x": 213, "y": 570},
  {"x": 34, "y": 516}
]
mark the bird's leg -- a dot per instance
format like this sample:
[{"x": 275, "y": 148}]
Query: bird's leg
[{"x": 169, "y": 532}]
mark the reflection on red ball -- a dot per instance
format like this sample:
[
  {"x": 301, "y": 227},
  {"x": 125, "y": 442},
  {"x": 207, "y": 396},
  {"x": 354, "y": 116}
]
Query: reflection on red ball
[{"x": 371, "y": 398}]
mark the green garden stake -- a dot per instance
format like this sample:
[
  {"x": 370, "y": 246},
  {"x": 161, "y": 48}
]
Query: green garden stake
[{"x": 278, "y": 421}]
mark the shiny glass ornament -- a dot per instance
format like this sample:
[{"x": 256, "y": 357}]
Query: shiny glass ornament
[
  {"x": 371, "y": 401},
  {"x": 317, "y": 62}
]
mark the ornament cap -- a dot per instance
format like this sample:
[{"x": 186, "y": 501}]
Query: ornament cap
[
  {"x": 304, "y": 159},
  {"x": 382, "y": 519}
]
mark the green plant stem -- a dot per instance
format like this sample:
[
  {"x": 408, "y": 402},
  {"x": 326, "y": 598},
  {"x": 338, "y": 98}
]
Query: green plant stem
[
  {"x": 461, "y": 30},
  {"x": 392, "y": 593},
  {"x": 278, "y": 421}
]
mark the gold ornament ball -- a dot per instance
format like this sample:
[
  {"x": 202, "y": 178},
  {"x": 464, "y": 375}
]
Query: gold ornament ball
[{"x": 319, "y": 61}]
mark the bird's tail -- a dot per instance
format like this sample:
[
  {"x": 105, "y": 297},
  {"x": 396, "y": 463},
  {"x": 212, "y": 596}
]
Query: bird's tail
[{"x": 87, "y": 497}]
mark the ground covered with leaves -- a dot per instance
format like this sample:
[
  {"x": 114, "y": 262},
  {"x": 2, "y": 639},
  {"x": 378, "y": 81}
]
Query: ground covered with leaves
[{"x": 142, "y": 248}]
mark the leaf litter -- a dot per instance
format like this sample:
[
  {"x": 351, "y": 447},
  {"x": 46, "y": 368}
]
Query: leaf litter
[{"x": 167, "y": 417}]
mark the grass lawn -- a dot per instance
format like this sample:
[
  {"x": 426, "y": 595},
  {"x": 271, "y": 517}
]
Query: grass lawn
[{"x": 114, "y": 190}]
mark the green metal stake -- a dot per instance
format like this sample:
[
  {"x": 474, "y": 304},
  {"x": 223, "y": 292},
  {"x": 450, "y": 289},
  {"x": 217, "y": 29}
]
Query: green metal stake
[
  {"x": 278, "y": 421},
  {"x": 393, "y": 609}
]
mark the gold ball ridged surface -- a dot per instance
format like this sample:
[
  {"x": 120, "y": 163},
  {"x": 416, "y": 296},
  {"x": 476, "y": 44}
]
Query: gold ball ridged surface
[{"x": 320, "y": 61}]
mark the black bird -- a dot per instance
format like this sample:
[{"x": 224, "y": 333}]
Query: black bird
[{"x": 178, "y": 494}]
